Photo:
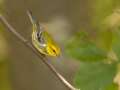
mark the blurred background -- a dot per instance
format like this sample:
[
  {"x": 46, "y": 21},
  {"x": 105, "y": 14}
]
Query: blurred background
[{"x": 87, "y": 27}]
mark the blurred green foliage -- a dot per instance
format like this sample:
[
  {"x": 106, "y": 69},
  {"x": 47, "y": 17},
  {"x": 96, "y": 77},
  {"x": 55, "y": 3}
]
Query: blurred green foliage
[
  {"x": 81, "y": 48},
  {"x": 112, "y": 87},
  {"x": 4, "y": 72},
  {"x": 101, "y": 9},
  {"x": 105, "y": 21},
  {"x": 116, "y": 44},
  {"x": 95, "y": 76},
  {"x": 4, "y": 76}
]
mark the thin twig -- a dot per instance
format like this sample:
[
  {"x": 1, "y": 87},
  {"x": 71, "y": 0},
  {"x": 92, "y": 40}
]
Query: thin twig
[{"x": 29, "y": 45}]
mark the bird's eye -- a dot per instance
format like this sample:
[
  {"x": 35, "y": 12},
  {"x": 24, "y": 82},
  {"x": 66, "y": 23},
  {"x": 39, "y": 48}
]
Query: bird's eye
[{"x": 54, "y": 51}]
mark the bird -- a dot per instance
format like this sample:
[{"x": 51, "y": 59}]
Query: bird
[{"x": 41, "y": 39}]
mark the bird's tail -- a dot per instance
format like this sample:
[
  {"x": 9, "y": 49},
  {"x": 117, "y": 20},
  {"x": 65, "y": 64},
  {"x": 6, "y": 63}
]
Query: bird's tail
[{"x": 33, "y": 20}]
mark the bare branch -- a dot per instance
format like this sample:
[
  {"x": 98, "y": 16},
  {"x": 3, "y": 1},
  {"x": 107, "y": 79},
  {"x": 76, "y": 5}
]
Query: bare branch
[{"x": 29, "y": 45}]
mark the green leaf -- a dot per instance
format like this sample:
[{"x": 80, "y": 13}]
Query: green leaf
[
  {"x": 84, "y": 50},
  {"x": 95, "y": 76}
]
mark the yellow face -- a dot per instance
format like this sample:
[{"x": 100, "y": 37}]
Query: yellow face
[{"x": 53, "y": 50}]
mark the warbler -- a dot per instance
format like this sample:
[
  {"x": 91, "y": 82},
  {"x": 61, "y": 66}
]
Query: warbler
[{"x": 41, "y": 39}]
